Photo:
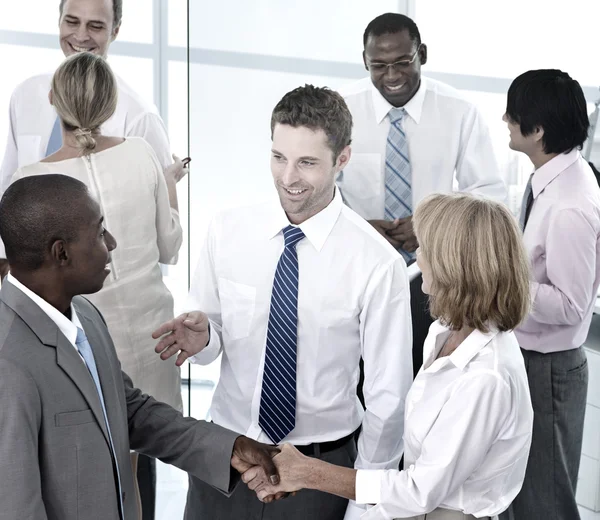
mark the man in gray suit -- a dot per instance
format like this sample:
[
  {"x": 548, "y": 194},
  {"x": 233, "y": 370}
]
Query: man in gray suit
[{"x": 68, "y": 414}]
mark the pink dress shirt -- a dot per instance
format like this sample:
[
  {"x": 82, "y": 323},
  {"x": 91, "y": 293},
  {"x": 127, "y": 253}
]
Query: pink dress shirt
[{"x": 561, "y": 238}]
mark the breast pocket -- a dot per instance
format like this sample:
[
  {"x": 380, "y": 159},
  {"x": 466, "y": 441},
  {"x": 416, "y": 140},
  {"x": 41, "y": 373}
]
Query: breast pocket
[
  {"x": 362, "y": 178},
  {"x": 74, "y": 418},
  {"x": 237, "y": 308},
  {"x": 28, "y": 148}
]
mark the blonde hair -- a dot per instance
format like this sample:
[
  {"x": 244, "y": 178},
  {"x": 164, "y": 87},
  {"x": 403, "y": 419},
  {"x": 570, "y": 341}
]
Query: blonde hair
[
  {"x": 84, "y": 94},
  {"x": 479, "y": 267}
]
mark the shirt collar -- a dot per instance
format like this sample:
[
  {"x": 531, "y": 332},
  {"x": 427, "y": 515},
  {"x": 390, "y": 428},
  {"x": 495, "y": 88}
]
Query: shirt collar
[
  {"x": 552, "y": 169},
  {"x": 413, "y": 108},
  {"x": 317, "y": 228},
  {"x": 66, "y": 326},
  {"x": 465, "y": 352}
]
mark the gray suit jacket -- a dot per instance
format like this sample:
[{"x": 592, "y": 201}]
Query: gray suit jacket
[{"x": 55, "y": 459}]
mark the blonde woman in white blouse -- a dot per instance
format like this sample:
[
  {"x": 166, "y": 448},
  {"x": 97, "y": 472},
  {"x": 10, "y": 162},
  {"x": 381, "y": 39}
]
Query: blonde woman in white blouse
[
  {"x": 468, "y": 418},
  {"x": 139, "y": 205}
]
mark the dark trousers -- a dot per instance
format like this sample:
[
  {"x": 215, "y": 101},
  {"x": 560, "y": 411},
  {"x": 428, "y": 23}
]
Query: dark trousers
[
  {"x": 421, "y": 321},
  {"x": 558, "y": 385},
  {"x": 146, "y": 477},
  {"x": 206, "y": 503}
]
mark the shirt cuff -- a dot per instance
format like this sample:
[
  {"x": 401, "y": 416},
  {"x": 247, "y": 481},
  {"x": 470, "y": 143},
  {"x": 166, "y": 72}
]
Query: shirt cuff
[
  {"x": 368, "y": 486},
  {"x": 213, "y": 343}
]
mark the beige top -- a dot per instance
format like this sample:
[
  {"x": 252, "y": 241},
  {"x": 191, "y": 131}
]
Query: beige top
[{"x": 128, "y": 182}]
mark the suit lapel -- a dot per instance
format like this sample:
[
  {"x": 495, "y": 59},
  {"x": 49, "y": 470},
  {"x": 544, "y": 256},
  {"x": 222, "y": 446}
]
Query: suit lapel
[
  {"x": 70, "y": 361},
  {"x": 67, "y": 357}
]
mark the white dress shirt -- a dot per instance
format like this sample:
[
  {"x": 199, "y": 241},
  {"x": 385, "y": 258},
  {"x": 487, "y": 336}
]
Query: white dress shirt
[
  {"x": 447, "y": 141},
  {"x": 353, "y": 301},
  {"x": 67, "y": 326},
  {"x": 468, "y": 424}
]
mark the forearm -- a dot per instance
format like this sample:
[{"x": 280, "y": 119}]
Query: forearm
[
  {"x": 335, "y": 480},
  {"x": 172, "y": 190}
]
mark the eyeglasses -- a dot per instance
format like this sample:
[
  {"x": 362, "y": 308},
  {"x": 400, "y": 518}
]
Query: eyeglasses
[{"x": 376, "y": 66}]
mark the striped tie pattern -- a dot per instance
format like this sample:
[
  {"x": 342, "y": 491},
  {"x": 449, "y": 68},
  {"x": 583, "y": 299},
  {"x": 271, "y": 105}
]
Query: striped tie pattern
[
  {"x": 398, "y": 187},
  {"x": 85, "y": 349},
  {"x": 277, "y": 416}
]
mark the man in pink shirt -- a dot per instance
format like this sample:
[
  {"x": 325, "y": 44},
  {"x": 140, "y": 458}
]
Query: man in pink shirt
[{"x": 547, "y": 119}]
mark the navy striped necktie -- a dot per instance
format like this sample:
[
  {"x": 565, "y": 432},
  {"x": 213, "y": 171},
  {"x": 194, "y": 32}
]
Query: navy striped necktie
[{"x": 277, "y": 416}]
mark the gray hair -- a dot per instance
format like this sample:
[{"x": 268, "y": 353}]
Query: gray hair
[{"x": 84, "y": 94}]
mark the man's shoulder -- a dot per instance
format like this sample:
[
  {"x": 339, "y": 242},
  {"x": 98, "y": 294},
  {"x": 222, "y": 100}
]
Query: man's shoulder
[
  {"x": 442, "y": 91},
  {"x": 32, "y": 88},
  {"x": 356, "y": 89},
  {"x": 365, "y": 238},
  {"x": 132, "y": 103}
]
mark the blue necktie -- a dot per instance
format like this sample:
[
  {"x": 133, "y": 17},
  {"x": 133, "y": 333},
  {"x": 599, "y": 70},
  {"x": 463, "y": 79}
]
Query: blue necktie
[
  {"x": 277, "y": 416},
  {"x": 55, "y": 141},
  {"x": 85, "y": 350},
  {"x": 398, "y": 183}
]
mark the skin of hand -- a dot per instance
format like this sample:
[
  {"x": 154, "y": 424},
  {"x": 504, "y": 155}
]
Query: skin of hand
[
  {"x": 384, "y": 227},
  {"x": 249, "y": 455},
  {"x": 4, "y": 268},
  {"x": 292, "y": 467},
  {"x": 176, "y": 171},
  {"x": 187, "y": 335}
]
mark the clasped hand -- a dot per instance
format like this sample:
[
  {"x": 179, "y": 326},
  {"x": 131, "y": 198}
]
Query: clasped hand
[{"x": 292, "y": 469}]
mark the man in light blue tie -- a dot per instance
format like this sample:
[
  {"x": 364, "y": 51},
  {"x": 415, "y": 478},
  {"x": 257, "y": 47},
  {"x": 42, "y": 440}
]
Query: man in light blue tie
[
  {"x": 68, "y": 414},
  {"x": 293, "y": 293},
  {"x": 413, "y": 136}
]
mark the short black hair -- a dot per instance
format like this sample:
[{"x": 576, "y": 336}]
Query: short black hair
[
  {"x": 552, "y": 100},
  {"x": 35, "y": 212},
  {"x": 317, "y": 108},
  {"x": 392, "y": 23}
]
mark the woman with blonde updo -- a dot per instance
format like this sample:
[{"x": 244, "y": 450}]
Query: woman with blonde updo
[{"x": 139, "y": 205}]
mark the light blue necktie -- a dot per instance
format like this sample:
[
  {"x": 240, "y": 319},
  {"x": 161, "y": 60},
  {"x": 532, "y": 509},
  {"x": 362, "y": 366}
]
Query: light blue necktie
[
  {"x": 85, "y": 350},
  {"x": 277, "y": 416},
  {"x": 55, "y": 141},
  {"x": 398, "y": 183}
]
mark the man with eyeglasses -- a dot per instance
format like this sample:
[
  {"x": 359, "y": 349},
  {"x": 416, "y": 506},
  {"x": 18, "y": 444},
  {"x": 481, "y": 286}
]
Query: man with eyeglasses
[{"x": 412, "y": 137}]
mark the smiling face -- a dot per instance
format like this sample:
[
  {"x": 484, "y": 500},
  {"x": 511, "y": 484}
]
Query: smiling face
[
  {"x": 400, "y": 83},
  {"x": 87, "y": 25},
  {"x": 304, "y": 170}
]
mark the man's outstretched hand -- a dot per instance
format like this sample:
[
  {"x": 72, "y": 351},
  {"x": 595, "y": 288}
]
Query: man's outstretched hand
[
  {"x": 248, "y": 453},
  {"x": 187, "y": 334}
]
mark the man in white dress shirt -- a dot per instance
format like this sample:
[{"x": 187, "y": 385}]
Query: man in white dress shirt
[
  {"x": 412, "y": 137},
  {"x": 34, "y": 130},
  {"x": 293, "y": 293}
]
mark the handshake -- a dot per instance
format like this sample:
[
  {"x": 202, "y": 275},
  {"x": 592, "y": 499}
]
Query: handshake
[{"x": 273, "y": 472}]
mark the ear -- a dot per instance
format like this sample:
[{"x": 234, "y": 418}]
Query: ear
[
  {"x": 59, "y": 253},
  {"x": 343, "y": 158},
  {"x": 115, "y": 33},
  {"x": 50, "y": 97},
  {"x": 423, "y": 54},
  {"x": 538, "y": 134},
  {"x": 365, "y": 60}
]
